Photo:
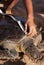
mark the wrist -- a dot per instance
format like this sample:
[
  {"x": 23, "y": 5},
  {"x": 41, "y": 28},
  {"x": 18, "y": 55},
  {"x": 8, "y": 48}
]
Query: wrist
[
  {"x": 30, "y": 20},
  {"x": 31, "y": 16},
  {"x": 8, "y": 9}
]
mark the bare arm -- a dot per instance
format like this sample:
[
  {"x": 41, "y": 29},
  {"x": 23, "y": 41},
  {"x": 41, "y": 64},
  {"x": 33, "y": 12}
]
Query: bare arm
[
  {"x": 8, "y": 10},
  {"x": 29, "y": 7},
  {"x": 14, "y": 2},
  {"x": 30, "y": 19}
]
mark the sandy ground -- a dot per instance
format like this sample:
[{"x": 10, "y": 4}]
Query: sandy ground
[{"x": 24, "y": 61}]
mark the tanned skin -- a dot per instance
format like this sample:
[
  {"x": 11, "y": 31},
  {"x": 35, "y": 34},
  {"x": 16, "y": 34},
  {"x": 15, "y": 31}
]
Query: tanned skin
[
  {"x": 30, "y": 19},
  {"x": 8, "y": 10},
  {"x": 30, "y": 16}
]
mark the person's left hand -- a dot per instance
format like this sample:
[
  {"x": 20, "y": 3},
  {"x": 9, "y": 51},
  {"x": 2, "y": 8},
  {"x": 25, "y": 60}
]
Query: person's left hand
[
  {"x": 32, "y": 28},
  {"x": 8, "y": 11}
]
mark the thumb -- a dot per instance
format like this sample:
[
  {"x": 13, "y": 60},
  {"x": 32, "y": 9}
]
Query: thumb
[{"x": 26, "y": 28}]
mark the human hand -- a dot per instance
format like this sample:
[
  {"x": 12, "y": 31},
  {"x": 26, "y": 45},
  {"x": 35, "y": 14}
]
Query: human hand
[
  {"x": 8, "y": 11},
  {"x": 31, "y": 25}
]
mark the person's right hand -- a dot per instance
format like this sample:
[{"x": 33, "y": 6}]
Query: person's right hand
[{"x": 31, "y": 25}]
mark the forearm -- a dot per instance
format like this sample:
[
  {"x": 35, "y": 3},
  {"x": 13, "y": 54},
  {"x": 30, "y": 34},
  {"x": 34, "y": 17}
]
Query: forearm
[
  {"x": 29, "y": 7},
  {"x": 14, "y": 2}
]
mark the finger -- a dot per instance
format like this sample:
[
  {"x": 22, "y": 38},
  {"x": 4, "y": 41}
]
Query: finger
[
  {"x": 30, "y": 35},
  {"x": 30, "y": 31},
  {"x": 33, "y": 33},
  {"x": 25, "y": 28}
]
